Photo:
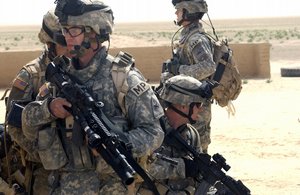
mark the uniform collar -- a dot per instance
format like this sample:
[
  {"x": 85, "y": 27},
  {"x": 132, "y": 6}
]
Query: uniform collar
[{"x": 190, "y": 28}]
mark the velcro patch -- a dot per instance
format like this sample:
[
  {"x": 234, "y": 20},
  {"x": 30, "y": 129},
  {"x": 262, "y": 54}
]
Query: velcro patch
[
  {"x": 140, "y": 88},
  {"x": 20, "y": 84},
  {"x": 44, "y": 90},
  {"x": 195, "y": 43}
]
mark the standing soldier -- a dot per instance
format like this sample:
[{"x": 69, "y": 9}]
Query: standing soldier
[
  {"x": 86, "y": 25},
  {"x": 193, "y": 56},
  {"x": 24, "y": 89}
]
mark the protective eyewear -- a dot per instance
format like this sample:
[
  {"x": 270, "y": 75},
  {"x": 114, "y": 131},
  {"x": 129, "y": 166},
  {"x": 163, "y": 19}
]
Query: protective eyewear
[{"x": 73, "y": 31}]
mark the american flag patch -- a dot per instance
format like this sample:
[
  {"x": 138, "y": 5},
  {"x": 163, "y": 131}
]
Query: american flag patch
[
  {"x": 44, "y": 90},
  {"x": 20, "y": 84}
]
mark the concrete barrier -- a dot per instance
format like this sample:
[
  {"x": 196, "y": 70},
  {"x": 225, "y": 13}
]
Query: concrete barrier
[{"x": 253, "y": 61}]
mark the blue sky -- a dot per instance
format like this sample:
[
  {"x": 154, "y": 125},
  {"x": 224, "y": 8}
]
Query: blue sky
[{"x": 13, "y": 12}]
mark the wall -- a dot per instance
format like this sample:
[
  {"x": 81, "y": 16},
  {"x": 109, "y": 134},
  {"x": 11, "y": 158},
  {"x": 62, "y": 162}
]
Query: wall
[{"x": 253, "y": 61}]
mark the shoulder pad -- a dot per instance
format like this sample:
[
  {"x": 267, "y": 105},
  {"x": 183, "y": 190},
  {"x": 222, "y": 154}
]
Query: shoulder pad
[
  {"x": 124, "y": 59},
  {"x": 31, "y": 66}
]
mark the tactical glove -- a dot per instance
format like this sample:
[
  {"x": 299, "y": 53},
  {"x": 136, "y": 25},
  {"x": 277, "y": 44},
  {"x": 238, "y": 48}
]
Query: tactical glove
[
  {"x": 191, "y": 168},
  {"x": 207, "y": 87},
  {"x": 173, "y": 66}
]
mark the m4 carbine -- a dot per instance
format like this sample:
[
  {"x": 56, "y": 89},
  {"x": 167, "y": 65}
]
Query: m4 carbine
[
  {"x": 92, "y": 120},
  {"x": 88, "y": 113},
  {"x": 210, "y": 170}
]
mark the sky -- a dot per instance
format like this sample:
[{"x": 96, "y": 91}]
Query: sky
[{"x": 27, "y": 12}]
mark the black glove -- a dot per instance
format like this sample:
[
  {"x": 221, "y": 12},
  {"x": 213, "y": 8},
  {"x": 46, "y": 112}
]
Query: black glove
[
  {"x": 206, "y": 88},
  {"x": 191, "y": 168},
  {"x": 173, "y": 66}
]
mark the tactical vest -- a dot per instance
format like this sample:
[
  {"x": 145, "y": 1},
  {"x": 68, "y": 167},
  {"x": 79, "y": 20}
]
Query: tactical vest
[
  {"x": 37, "y": 72},
  {"x": 122, "y": 64},
  {"x": 226, "y": 74},
  {"x": 56, "y": 149}
]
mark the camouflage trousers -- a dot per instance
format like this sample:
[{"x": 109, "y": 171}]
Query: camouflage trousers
[
  {"x": 112, "y": 185},
  {"x": 77, "y": 182},
  {"x": 166, "y": 189},
  {"x": 203, "y": 126},
  {"x": 40, "y": 181}
]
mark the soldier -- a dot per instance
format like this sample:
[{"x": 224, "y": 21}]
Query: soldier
[
  {"x": 182, "y": 104},
  {"x": 24, "y": 89},
  {"x": 194, "y": 56},
  {"x": 4, "y": 140},
  {"x": 86, "y": 25}
]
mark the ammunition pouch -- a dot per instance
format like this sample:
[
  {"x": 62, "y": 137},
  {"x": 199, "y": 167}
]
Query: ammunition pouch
[
  {"x": 50, "y": 149},
  {"x": 14, "y": 117}
]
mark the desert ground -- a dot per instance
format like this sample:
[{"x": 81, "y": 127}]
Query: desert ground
[{"x": 261, "y": 141}]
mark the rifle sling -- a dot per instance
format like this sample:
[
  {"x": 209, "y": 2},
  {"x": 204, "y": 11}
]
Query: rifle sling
[{"x": 219, "y": 72}]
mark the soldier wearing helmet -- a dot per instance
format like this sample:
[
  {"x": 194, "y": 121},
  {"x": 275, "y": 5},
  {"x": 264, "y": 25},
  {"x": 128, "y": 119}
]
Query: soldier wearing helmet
[
  {"x": 194, "y": 55},
  {"x": 25, "y": 88},
  {"x": 181, "y": 97},
  {"x": 86, "y": 26}
]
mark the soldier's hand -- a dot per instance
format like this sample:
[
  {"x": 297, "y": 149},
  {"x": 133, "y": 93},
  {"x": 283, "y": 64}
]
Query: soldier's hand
[
  {"x": 206, "y": 88},
  {"x": 173, "y": 67},
  {"x": 191, "y": 168},
  {"x": 58, "y": 107}
]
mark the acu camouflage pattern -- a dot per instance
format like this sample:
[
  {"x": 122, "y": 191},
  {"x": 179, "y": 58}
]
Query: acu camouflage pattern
[
  {"x": 31, "y": 76},
  {"x": 98, "y": 20},
  {"x": 193, "y": 6},
  {"x": 51, "y": 21},
  {"x": 195, "y": 54},
  {"x": 179, "y": 95},
  {"x": 170, "y": 174},
  {"x": 141, "y": 127}
]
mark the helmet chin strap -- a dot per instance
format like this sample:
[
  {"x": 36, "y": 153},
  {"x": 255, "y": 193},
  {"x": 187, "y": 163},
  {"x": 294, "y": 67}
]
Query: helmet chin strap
[
  {"x": 189, "y": 116},
  {"x": 51, "y": 51}
]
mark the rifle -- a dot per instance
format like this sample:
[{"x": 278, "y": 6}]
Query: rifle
[
  {"x": 88, "y": 113},
  {"x": 211, "y": 170}
]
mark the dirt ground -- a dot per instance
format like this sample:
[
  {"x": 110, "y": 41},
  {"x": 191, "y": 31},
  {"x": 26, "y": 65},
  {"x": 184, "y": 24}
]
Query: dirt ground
[{"x": 262, "y": 141}]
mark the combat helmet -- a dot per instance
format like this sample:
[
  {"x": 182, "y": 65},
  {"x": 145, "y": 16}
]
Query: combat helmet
[
  {"x": 50, "y": 31},
  {"x": 182, "y": 90},
  {"x": 93, "y": 14},
  {"x": 192, "y": 9}
]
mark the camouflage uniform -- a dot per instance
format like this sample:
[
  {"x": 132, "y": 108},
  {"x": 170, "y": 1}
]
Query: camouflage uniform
[
  {"x": 24, "y": 89},
  {"x": 195, "y": 54},
  {"x": 171, "y": 177},
  {"x": 141, "y": 126}
]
